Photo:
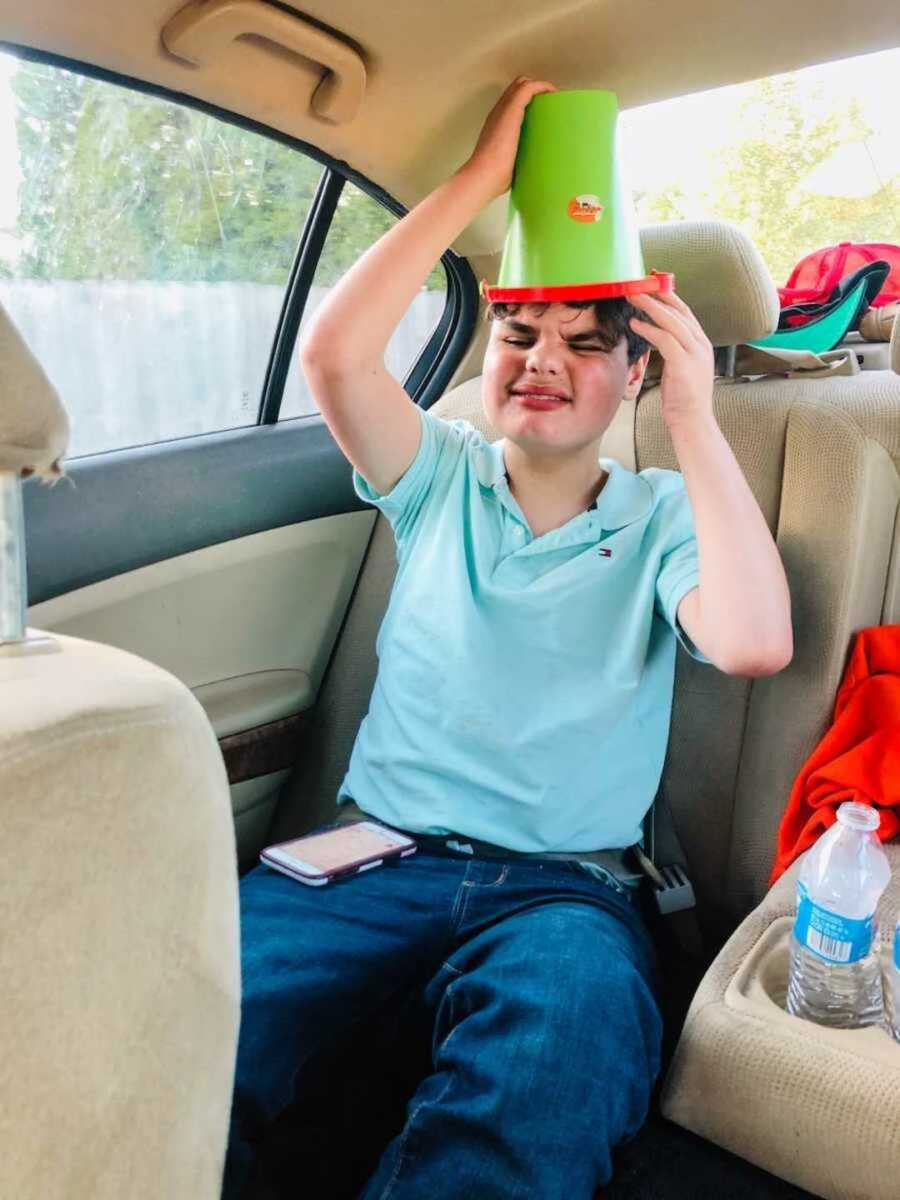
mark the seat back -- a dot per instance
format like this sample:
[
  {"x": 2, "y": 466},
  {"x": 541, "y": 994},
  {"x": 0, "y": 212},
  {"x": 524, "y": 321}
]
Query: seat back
[
  {"x": 821, "y": 458},
  {"x": 120, "y": 985},
  {"x": 120, "y": 981},
  {"x": 820, "y": 455}
]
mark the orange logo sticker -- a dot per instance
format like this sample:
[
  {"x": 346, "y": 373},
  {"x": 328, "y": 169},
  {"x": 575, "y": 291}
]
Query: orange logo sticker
[{"x": 585, "y": 208}]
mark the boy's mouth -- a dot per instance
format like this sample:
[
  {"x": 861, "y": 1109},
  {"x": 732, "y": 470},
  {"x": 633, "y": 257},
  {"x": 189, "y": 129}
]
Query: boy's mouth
[{"x": 544, "y": 399}]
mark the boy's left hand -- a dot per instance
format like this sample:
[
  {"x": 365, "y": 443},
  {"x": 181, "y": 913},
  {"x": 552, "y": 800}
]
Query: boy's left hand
[{"x": 688, "y": 367}]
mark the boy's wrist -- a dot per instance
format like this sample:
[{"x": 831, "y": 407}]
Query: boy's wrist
[
  {"x": 692, "y": 427},
  {"x": 477, "y": 181}
]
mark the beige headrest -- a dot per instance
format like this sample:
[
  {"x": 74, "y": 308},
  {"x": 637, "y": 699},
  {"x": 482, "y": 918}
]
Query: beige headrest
[
  {"x": 34, "y": 428},
  {"x": 719, "y": 273},
  {"x": 895, "y": 344}
]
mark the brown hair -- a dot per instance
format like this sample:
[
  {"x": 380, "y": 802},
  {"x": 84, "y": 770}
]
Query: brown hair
[{"x": 613, "y": 321}]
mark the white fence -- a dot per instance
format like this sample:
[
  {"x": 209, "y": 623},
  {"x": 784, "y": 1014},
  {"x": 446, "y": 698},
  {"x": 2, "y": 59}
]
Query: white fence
[{"x": 145, "y": 362}]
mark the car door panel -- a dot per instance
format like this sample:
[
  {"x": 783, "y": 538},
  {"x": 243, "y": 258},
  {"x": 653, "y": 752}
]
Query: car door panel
[
  {"x": 251, "y": 619},
  {"x": 248, "y": 624},
  {"x": 119, "y": 511}
]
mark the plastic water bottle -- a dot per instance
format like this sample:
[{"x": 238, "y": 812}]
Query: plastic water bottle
[
  {"x": 835, "y": 976},
  {"x": 893, "y": 986}
]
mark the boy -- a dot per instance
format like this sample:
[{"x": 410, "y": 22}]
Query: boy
[{"x": 521, "y": 709}]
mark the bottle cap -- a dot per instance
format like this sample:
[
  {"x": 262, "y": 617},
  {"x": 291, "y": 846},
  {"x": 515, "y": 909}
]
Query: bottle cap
[{"x": 863, "y": 817}]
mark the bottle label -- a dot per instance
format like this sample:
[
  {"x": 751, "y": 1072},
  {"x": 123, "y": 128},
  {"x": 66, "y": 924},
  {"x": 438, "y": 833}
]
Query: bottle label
[{"x": 835, "y": 938}]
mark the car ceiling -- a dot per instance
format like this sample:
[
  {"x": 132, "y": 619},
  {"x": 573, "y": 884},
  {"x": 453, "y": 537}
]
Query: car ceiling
[{"x": 434, "y": 69}]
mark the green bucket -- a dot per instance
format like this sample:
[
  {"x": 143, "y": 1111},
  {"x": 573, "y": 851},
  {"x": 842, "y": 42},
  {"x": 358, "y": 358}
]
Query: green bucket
[{"x": 571, "y": 230}]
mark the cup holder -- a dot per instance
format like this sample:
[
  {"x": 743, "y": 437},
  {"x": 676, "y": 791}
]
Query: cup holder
[
  {"x": 761, "y": 982},
  {"x": 813, "y": 1105},
  {"x": 759, "y": 989},
  {"x": 774, "y": 968}
]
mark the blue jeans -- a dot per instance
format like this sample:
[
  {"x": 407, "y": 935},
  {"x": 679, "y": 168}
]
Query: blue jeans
[{"x": 539, "y": 983}]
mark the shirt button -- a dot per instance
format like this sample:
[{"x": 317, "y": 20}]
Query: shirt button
[{"x": 520, "y": 532}]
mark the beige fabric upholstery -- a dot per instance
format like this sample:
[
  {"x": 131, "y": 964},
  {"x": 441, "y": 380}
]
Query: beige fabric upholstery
[
  {"x": 719, "y": 273},
  {"x": 895, "y": 345},
  {"x": 310, "y": 794},
  {"x": 820, "y": 457},
  {"x": 817, "y": 1107},
  {"x": 34, "y": 428},
  {"x": 119, "y": 984}
]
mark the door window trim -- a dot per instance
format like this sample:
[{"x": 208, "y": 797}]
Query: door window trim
[{"x": 312, "y": 240}]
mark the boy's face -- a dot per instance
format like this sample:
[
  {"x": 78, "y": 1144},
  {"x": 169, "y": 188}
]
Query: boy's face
[{"x": 548, "y": 384}]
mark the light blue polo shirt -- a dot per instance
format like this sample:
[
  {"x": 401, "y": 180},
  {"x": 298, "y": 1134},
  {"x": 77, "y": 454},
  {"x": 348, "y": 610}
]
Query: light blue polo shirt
[{"x": 524, "y": 686}]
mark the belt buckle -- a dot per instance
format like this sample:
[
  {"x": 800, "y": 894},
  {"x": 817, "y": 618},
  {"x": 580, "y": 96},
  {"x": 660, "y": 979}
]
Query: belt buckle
[{"x": 461, "y": 847}]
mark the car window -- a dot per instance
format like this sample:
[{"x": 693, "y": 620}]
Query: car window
[
  {"x": 358, "y": 222},
  {"x": 798, "y": 161},
  {"x": 144, "y": 251}
]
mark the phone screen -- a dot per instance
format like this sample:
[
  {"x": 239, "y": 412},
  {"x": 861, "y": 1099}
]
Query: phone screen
[{"x": 338, "y": 847}]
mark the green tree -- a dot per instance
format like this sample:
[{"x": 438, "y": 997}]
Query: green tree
[
  {"x": 668, "y": 205},
  {"x": 760, "y": 184},
  {"x": 121, "y": 185},
  {"x": 358, "y": 222}
]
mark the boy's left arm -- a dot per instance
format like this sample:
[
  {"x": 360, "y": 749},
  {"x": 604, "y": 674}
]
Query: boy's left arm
[{"x": 740, "y": 615}]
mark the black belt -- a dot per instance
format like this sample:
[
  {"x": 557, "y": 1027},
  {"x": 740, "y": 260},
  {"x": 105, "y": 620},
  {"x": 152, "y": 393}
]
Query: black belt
[{"x": 619, "y": 862}]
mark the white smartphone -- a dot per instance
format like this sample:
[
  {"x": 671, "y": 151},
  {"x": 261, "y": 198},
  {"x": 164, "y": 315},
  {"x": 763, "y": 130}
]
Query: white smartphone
[{"x": 321, "y": 857}]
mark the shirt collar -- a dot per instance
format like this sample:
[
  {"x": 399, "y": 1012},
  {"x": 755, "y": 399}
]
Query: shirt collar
[
  {"x": 490, "y": 467},
  {"x": 625, "y": 497}
]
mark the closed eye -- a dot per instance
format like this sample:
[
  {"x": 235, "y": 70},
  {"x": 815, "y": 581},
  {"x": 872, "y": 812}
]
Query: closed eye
[{"x": 579, "y": 347}]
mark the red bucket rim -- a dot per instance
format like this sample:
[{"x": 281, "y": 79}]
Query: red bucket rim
[{"x": 656, "y": 281}]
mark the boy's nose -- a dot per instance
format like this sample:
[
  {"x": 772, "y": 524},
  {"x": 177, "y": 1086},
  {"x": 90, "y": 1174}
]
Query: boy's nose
[{"x": 541, "y": 360}]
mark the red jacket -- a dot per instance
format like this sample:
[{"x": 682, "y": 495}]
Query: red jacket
[{"x": 859, "y": 756}]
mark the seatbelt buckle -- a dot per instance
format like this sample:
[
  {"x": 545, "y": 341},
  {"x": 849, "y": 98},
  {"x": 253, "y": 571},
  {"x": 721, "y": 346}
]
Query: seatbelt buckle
[
  {"x": 672, "y": 890},
  {"x": 676, "y": 894}
]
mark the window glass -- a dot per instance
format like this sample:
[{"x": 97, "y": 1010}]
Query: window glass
[
  {"x": 144, "y": 252},
  {"x": 798, "y": 161},
  {"x": 358, "y": 222}
]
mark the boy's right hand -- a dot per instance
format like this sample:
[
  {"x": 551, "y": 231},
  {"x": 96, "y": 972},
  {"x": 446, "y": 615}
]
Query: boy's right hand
[{"x": 494, "y": 157}]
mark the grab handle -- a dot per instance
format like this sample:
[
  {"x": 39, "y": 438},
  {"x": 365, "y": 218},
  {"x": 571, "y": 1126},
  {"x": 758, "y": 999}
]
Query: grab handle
[{"x": 200, "y": 30}]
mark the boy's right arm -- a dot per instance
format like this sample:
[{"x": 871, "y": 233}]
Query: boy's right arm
[{"x": 342, "y": 351}]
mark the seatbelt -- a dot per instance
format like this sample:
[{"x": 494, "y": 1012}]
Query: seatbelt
[
  {"x": 673, "y": 892},
  {"x": 660, "y": 856}
]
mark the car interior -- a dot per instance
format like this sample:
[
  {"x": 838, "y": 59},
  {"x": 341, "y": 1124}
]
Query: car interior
[{"x": 205, "y": 588}]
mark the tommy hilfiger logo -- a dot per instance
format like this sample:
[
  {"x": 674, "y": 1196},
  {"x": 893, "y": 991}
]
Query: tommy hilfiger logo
[{"x": 604, "y": 553}]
